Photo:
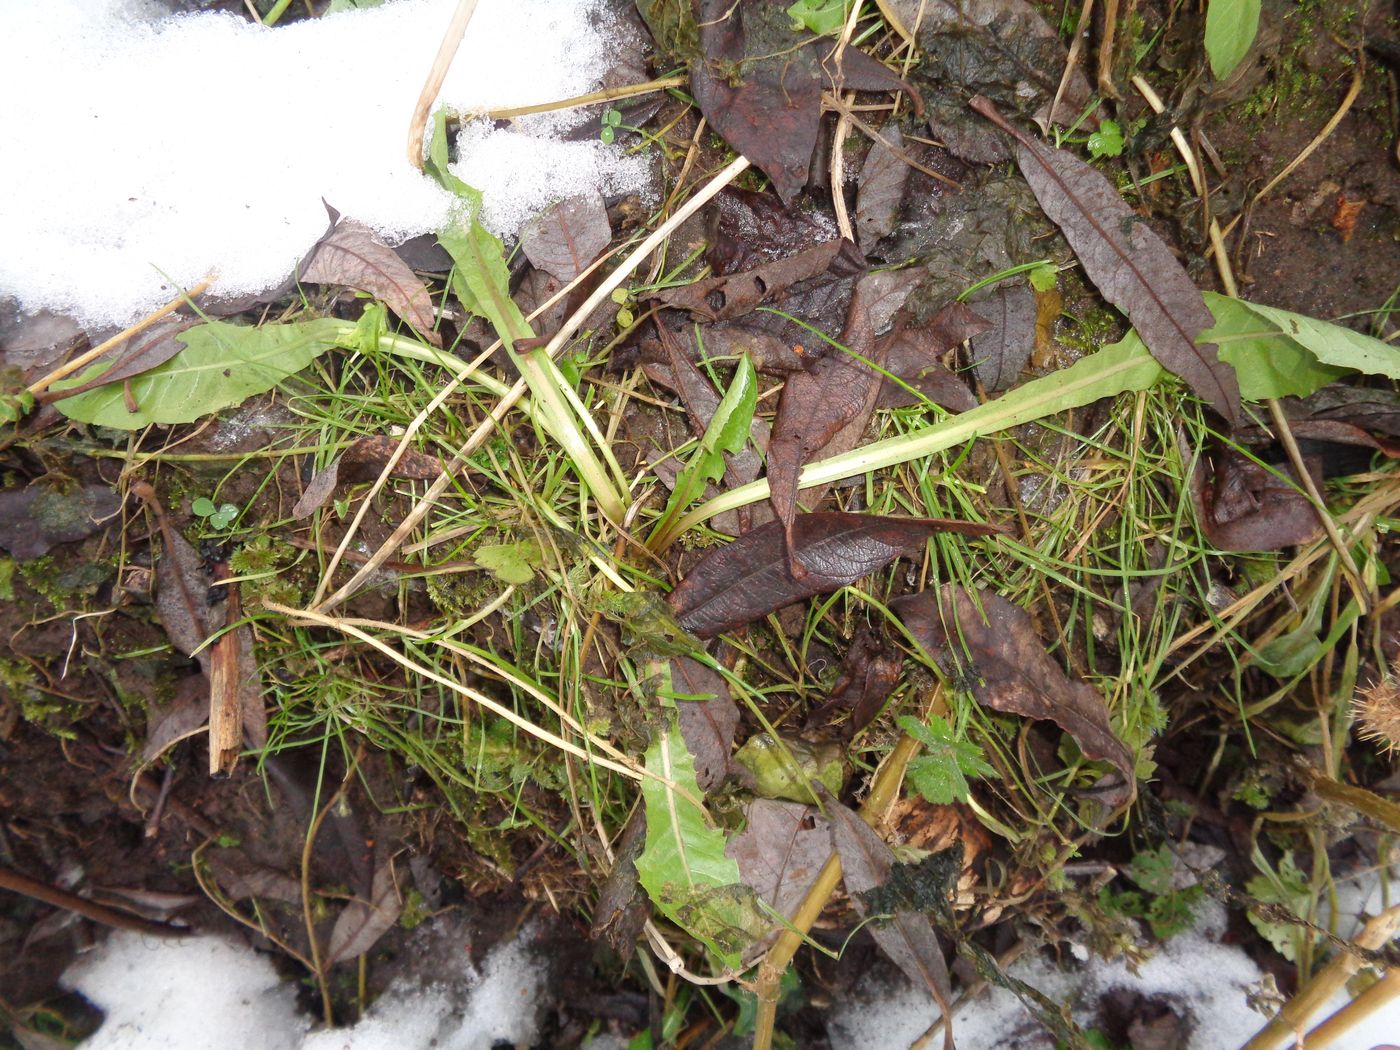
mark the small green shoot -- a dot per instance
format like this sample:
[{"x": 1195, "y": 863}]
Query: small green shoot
[
  {"x": 819, "y": 16},
  {"x": 940, "y": 773},
  {"x": 1107, "y": 141},
  {"x": 218, "y": 517},
  {"x": 611, "y": 120}
]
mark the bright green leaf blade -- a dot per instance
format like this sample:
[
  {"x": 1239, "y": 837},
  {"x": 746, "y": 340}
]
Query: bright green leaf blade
[
  {"x": 940, "y": 773},
  {"x": 510, "y": 562},
  {"x": 222, "y": 365},
  {"x": 1267, "y": 362},
  {"x": 1230, "y": 29},
  {"x": 683, "y": 867},
  {"x": 1332, "y": 344}
]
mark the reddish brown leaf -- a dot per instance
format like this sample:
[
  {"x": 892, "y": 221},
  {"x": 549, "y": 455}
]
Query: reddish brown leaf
[
  {"x": 182, "y": 597},
  {"x": 914, "y": 358},
  {"x": 869, "y": 672},
  {"x": 141, "y": 353},
  {"x": 760, "y": 85},
  {"x": 783, "y": 847},
  {"x": 883, "y": 178},
  {"x": 1001, "y": 352},
  {"x": 994, "y": 641},
  {"x": 826, "y": 409},
  {"x": 37, "y": 518},
  {"x": 736, "y": 295},
  {"x": 569, "y": 236},
  {"x": 1129, "y": 263},
  {"x": 746, "y": 229},
  {"x": 369, "y": 456},
  {"x": 1242, "y": 506},
  {"x": 353, "y": 255},
  {"x": 749, "y": 578},
  {"x": 183, "y": 716},
  {"x": 707, "y": 725},
  {"x": 907, "y": 937},
  {"x": 318, "y": 491}
]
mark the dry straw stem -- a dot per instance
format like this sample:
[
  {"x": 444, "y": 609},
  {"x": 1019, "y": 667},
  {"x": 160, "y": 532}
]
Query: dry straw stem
[
  {"x": 447, "y": 50},
  {"x": 87, "y": 357},
  {"x": 592, "y": 98},
  {"x": 1311, "y": 997},
  {"x": 561, "y": 337}
]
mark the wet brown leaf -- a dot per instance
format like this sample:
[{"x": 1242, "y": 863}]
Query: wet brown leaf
[
  {"x": 907, "y": 937},
  {"x": 1241, "y": 506},
  {"x": 883, "y": 179},
  {"x": 183, "y": 716},
  {"x": 1374, "y": 410},
  {"x": 736, "y": 295},
  {"x": 363, "y": 922},
  {"x": 182, "y": 597},
  {"x": 37, "y": 518},
  {"x": 869, "y": 672},
  {"x": 783, "y": 846},
  {"x": 746, "y": 229},
  {"x": 707, "y": 726},
  {"x": 140, "y": 353},
  {"x": 1129, "y": 263},
  {"x": 353, "y": 255},
  {"x": 623, "y": 906},
  {"x": 759, "y": 84},
  {"x": 825, "y": 410},
  {"x": 914, "y": 357},
  {"x": 569, "y": 236},
  {"x": 997, "y": 644},
  {"x": 749, "y": 578},
  {"x": 1001, "y": 352}
]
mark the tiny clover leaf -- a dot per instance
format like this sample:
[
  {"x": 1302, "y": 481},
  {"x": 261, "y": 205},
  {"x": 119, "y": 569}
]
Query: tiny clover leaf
[
  {"x": 1107, "y": 141},
  {"x": 940, "y": 773},
  {"x": 818, "y": 16},
  {"x": 204, "y": 507}
]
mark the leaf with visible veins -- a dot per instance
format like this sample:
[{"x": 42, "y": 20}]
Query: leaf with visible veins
[
  {"x": 353, "y": 255},
  {"x": 1129, "y": 263},
  {"x": 749, "y": 578},
  {"x": 569, "y": 236},
  {"x": 995, "y": 641}
]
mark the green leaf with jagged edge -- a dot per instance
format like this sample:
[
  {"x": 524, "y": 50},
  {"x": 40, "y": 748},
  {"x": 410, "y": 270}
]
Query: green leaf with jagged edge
[
  {"x": 1287, "y": 887},
  {"x": 684, "y": 868},
  {"x": 940, "y": 773},
  {"x": 1231, "y": 26},
  {"x": 221, "y": 364}
]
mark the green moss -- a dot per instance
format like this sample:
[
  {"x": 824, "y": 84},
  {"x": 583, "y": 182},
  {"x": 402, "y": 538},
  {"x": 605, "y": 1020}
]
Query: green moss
[
  {"x": 19, "y": 686},
  {"x": 270, "y": 572},
  {"x": 60, "y": 583}
]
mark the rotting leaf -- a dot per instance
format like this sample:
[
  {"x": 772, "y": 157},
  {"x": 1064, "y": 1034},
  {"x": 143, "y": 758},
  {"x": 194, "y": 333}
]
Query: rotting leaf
[
  {"x": 995, "y": 641},
  {"x": 353, "y": 255},
  {"x": 746, "y": 229},
  {"x": 749, "y": 578},
  {"x": 783, "y": 847},
  {"x": 908, "y": 937},
  {"x": 913, "y": 361},
  {"x": 183, "y": 716},
  {"x": 568, "y": 236},
  {"x": 1242, "y": 506},
  {"x": 826, "y": 409},
  {"x": 141, "y": 353},
  {"x": 883, "y": 178},
  {"x": 182, "y": 590},
  {"x": 370, "y": 455},
  {"x": 37, "y": 518},
  {"x": 784, "y": 766},
  {"x": 363, "y": 922},
  {"x": 736, "y": 295},
  {"x": 623, "y": 907},
  {"x": 759, "y": 85},
  {"x": 318, "y": 490},
  {"x": 1001, "y": 352},
  {"x": 869, "y": 672},
  {"x": 707, "y": 716},
  {"x": 1129, "y": 264}
]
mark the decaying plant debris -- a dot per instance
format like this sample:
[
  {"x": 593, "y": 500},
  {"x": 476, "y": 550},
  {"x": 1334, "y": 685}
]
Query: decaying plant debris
[{"x": 886, "y": 528}]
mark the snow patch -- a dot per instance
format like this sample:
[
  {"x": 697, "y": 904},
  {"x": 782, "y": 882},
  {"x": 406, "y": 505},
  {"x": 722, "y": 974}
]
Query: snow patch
[{"x": 158, "y": 149}]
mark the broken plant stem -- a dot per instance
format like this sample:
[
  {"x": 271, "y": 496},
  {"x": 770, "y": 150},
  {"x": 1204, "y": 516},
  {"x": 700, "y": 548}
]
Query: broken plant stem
[
  {"x": 604, "y": 290},
  {"x": 119, "y": 920},
  {"x": 775, "y": 963},
  {"x": 87, "y": 357},
  {"x": 590, "y": 99},
  {"x": 1284, "y": 433},
  {"x": 447, "y": 50}
]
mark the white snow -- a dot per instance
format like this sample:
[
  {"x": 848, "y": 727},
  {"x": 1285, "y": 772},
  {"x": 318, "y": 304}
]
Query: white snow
[
  {"x": 145, "y": 151},
  {"x": 208, "y": 993}
]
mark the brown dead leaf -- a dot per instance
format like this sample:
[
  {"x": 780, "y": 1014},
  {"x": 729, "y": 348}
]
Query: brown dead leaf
[
  {"x": 736, "y": 295},
  {"x": 1001, "y": 352},
  {"x": 780, "y": 852},
  {"x": 1241, "y": 506},
  {"x": 990, "y": 639},
  {"x": 318, "y": 492},
  {"x": 183, "y": 716},
  {"x": 566, "y": 239},
  {"x": 1129, "y": 264},
  {"x": 353, "y": 255},
  {"x": 36, "y": 518},
  {"x": 883, "y": 179},
  {"x": 1345, "y": 215},
  {"x": 363, "y": 922},
  {"x": 707, "y": 725},
  {"x": 869, "y": 672}
]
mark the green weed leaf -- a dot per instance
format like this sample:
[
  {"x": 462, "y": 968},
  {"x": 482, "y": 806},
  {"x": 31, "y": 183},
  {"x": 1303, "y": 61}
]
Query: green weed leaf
[
  {"x": 940, "y": 773},
  {"x": 221, "y": 365},
  {"x": 683, "y": 867},
  {"x": 1330, "y": 343},
  {"x": 1230, "y": 29},
  {"x": 819, "y": 16},
  {"x": 1267, "y": 362},
  {"x": 1287, "y": 887},
  {"x": 1107, "y": 141},
  {"x": 510, "y": 562}
]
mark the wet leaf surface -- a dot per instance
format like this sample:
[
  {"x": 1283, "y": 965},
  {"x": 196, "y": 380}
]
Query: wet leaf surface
[
  {"x": 780, "y": 851},
  {"x": 1002, "y": 351},
  {"x": 869, "y": 672},
  {"x": 914, "y": 357},
  {"x": 736, "y": 295},
  {"x": 363, "y": 922},
  {"x": 569, "y": 236},
  {"x": 353, "y": 255},
  {"x": 907, "y": 937},
  {"x": 749, "y": 578},
  {"x": 1242, "y": 506},
  {"x": 883, "y": 179},
  {"x": 747, "y": 229},
  {"x": 997, "y": 645},
  {"x": 707, "y": 725},
  {"x": 37, "y": 518},
  {"x": 1129, "y": 264}
]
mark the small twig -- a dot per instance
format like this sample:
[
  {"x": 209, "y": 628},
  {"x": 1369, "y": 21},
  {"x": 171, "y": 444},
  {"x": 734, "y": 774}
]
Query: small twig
[
  {"x": 1072, "y": 60},
  {"x": 1110, "y": 30},
  {"x": 87, "y": 357},
  {"x": 591, "y": 98},
  {"x": 447, "y": 51},
  {"x": 41, "y": 891}
]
